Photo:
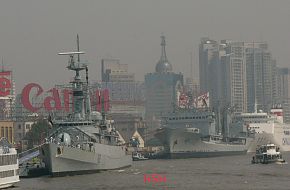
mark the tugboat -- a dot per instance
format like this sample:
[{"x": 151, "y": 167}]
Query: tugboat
[
  {"x": 84, "y": 142},
  {"x": 268, "y": 153}
]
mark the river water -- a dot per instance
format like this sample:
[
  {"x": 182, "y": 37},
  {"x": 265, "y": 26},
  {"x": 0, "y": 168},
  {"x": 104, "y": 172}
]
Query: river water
[{"x": 231, "y": 172}]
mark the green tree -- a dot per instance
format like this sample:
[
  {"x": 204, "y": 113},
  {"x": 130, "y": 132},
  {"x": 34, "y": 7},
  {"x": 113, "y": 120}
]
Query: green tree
[{"x": 39, "y": 130}]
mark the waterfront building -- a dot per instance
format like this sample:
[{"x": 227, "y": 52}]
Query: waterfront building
[
  {"x": 114, "y": 71},
  {"x": 21, "y": 128},
  {"x": 129, "y": 126},
  {"x": 7, "y": 94},
  {"x": 6, "y": 130}
]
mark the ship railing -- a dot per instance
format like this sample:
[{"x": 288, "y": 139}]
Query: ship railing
[{"x": 29, "y": 151}]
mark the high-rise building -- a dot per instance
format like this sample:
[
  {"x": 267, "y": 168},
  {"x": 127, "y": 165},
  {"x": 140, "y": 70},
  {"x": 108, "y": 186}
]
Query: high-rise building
[
  {"x": 234, "y": 69},
  {"x": 161, "y": 87},
  {"x": 260, "y": 68},
  {"x": 208, "y": 56},
  {"x": 283, "y": 83},
  {"x": 192, "y": 87},
  {"x": 210, "y": 68},
  {"x": 240, "y": 75},
  {"x": 283, "y": 92}
]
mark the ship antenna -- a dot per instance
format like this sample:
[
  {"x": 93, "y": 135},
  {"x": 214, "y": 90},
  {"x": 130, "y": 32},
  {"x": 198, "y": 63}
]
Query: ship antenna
[
  {"x": 78, "y": 47},
  {"x": 78, "y": 90}
]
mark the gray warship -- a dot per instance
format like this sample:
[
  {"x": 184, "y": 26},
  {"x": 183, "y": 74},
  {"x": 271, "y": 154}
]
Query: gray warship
[
  {"x": 192, "y": 133},
  {"x": 85, "y": 142}
]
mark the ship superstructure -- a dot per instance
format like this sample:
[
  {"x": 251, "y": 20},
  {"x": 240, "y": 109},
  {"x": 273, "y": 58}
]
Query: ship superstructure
[
  {"x": 9, "y": 171},
  {"x": 86, "y": 141}
]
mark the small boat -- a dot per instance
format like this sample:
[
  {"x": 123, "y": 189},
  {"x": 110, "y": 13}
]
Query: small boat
[
  {"x": 136, "y": 156},
  {"x": 268, "y": 153}
]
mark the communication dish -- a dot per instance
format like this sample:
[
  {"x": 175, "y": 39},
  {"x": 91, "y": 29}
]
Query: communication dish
[{"x": 72, "y": 53}]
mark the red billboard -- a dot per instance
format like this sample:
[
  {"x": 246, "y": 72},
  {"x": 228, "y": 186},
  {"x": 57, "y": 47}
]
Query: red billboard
[
  {"x": 5, "y": 83},
  {"x": 59, "y": 99}
]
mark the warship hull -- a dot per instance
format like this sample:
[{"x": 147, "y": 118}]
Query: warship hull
[
  {"x": 65, "y": 160},
  {"x": 185, "y": 143}
]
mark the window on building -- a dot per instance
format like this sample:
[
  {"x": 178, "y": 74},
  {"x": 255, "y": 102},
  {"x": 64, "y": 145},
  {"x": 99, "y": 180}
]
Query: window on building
[{"x": 27, "y": 126}]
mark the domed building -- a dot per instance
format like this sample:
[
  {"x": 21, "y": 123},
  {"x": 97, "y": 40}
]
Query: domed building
[
  {"x": 161, "y": 87},
  {"x": 163, "y": 65}
]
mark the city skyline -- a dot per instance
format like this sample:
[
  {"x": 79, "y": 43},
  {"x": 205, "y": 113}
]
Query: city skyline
[{"x": 33, "y": 32}]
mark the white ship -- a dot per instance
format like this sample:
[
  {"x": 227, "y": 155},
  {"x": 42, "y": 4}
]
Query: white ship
[
  {"x": 86, "y": 142},
  {"x": 9, "y": 172},
  {"x": 265, "y": 127}
]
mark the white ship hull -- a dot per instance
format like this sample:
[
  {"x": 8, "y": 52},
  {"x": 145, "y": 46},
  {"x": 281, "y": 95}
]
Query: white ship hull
[
  {"x": 183, "y": 143},
  {"x": 8, "y": 184},
  {"x": 280, "y": 136},
  {"x": 63, "y": 160}
]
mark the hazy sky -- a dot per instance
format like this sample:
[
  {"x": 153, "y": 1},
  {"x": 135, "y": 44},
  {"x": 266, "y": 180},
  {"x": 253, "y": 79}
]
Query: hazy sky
[{"x": 34, "y": 31}]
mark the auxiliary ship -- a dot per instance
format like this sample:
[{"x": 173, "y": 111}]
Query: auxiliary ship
[
  {"x": 192, "y": 133},
  {"x": 85, "y": 141}
]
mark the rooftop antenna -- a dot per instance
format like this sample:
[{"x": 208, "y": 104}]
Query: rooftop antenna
[{"x": 163, "y": 52}]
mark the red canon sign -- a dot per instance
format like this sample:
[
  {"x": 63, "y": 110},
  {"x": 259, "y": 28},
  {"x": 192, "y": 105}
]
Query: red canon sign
[
  {"x": 53, "y": 97},
  {"x": 51, "y": 102}
]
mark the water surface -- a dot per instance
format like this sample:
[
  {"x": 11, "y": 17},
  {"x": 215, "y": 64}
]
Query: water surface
[{"x": 231, "y": 172}]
